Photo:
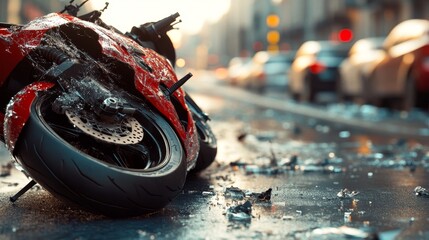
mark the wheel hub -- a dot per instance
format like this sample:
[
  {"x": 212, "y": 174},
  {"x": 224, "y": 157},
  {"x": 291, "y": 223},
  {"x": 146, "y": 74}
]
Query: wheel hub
[{"x": 126, "y": 131}]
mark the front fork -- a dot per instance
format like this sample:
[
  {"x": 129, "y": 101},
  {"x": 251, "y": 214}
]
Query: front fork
[{"x": 196, "y": 110}]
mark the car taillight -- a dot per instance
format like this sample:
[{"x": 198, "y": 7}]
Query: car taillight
[{"x": 317, "y": 68}]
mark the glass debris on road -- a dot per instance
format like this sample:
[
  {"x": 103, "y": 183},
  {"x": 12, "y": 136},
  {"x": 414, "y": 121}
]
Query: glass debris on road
[
  {"x": 234, "y": 193},
  {"x": 242, "y": 212},
  {"x": 261, "y": 197},
  {"x": 421, "y": 191},
  {"x": 346, "y": 193},
  {"x": 343, "y": 231},
  {"x": 6, "y": 169},
  {"x": 238, "y": 194}
]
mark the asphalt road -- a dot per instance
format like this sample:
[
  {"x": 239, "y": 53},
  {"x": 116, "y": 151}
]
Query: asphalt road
[{"x": 307, "y": 162}]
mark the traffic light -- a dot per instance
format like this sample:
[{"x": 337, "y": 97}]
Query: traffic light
[
  {"x": 345, "y": 35},
  {"x": 273, "y": 37},
  {"x": 273, "y": 21}
]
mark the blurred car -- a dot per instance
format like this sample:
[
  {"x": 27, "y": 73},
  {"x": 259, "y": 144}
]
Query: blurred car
[
  {"x": 276, "y": 69},
  {"x": 264, "y": 69},
  {"x": 252, "y": 77},
  {"x": 237, "y": 67},
  {"x": 268, "y": 70},
  {"x": 354, "y": 69},
  {"x": 315, "y": 69},
  {"x": 401, "y": 77}
]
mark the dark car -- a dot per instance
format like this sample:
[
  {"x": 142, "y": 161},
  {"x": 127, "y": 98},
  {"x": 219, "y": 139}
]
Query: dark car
[
  {"x": 276, "y": 70},
  {"x": 401, "y": 77},
  {"x": 264, "y": 70},
  {"x": 237, "y": 67},
  {"x": 315, "y": 69},
  {"x": 269, "y": 70}
]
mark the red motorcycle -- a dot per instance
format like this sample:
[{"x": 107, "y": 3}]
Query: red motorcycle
[{"x": 97, "y": 117}]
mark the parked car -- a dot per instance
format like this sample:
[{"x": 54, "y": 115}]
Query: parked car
[
  {"x": 401, "y": 77},
  {"x": 355, "y": 68},
  {"x": 315, "y": 69},
  {"x": 254, "y": 78},
  {"x": 264, "y": 69},
  {"x": 276, "y": 70},
  {"x": 237, "y": 67}
]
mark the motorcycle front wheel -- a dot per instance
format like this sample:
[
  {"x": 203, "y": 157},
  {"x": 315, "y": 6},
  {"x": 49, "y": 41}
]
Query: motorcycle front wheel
[{"x": 107, "y": 178}]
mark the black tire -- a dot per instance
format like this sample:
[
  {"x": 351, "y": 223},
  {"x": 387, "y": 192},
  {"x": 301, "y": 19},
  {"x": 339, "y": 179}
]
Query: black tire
[
  {"x": 206, "y": 137},
  {"x": 295, "y": 96},
  {"x": 408, "y": 101},
  {"x": 208, "y": 146},
  {"x": 367, "y": 94},
  {"x": 309, "y": 92},
  {"x": 412, "y": 97},
  {"x": 342, "y": 96},
  {"x": 67, "y": 163}
]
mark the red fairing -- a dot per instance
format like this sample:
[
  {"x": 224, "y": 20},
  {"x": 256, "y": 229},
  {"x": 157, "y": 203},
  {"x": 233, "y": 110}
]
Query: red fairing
[
  {"x": 16, "y": 44},
  {"x": 1, "y": 123},
  {"x": 18, "y": 111},
  {"x": 113, "y": 45}
]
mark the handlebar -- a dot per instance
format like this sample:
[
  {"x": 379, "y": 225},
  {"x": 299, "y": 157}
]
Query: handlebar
[
  {"x": 153, "y": 35},
  {"x": 154, "y": 30},
  {"x": 164, "y": 25}
]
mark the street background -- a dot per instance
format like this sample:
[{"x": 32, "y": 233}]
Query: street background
[
  {"x": 305, "y": 161},
  {"x": 286, "y": 168}
]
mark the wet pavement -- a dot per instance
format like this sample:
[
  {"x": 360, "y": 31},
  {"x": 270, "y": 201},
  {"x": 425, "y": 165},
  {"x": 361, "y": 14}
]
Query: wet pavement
[{"x": 277, "y": 175}]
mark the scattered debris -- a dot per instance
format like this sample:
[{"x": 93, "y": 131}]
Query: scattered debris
[
  {"x": 266, "y": 170},
  {"x": 344, "y": 134},
  {"x": 234, "y": 193},
  {"x": 261, "y": 197},
  {"x": 343, "y": 231},
  {"x": 242, "y": 212},
  {"x": 293, "y": 161},
  {"x": 316, "y": 168},
  {"x": 287, "y": 217},
  {"x": 400, "y": 154},
  {"x": 10, "y": 184},
  {"x": 421, "y": 191},
  {"x": 241, "y": 136},
  {"x": 238, "y": 163},
  {"x": 6, "y": 169},
  {"x": 346, "y": 193},
  {"x": 347, "y": 217},
  {"x": 208, "y": 193},
  {"x": 284, "y": 165},
  {"x": 238, "y": 194}
]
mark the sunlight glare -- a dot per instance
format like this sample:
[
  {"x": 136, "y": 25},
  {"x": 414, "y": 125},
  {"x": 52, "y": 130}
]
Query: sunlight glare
[{"x": 194, "y": 14}]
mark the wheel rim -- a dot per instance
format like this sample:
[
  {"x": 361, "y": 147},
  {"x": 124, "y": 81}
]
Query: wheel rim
[
  {"x": 148, "y": 154},
  {"x": 123, "y": 131}
]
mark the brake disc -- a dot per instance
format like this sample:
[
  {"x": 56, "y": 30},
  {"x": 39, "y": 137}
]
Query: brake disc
[{"x": 126, "y": 131}]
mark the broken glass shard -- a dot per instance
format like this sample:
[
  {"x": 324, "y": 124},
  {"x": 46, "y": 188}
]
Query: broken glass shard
[
  {"x": 421, "y": 191},
  {"x": 242, "y": 212},
  {"x": 346, "y": 193}
]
